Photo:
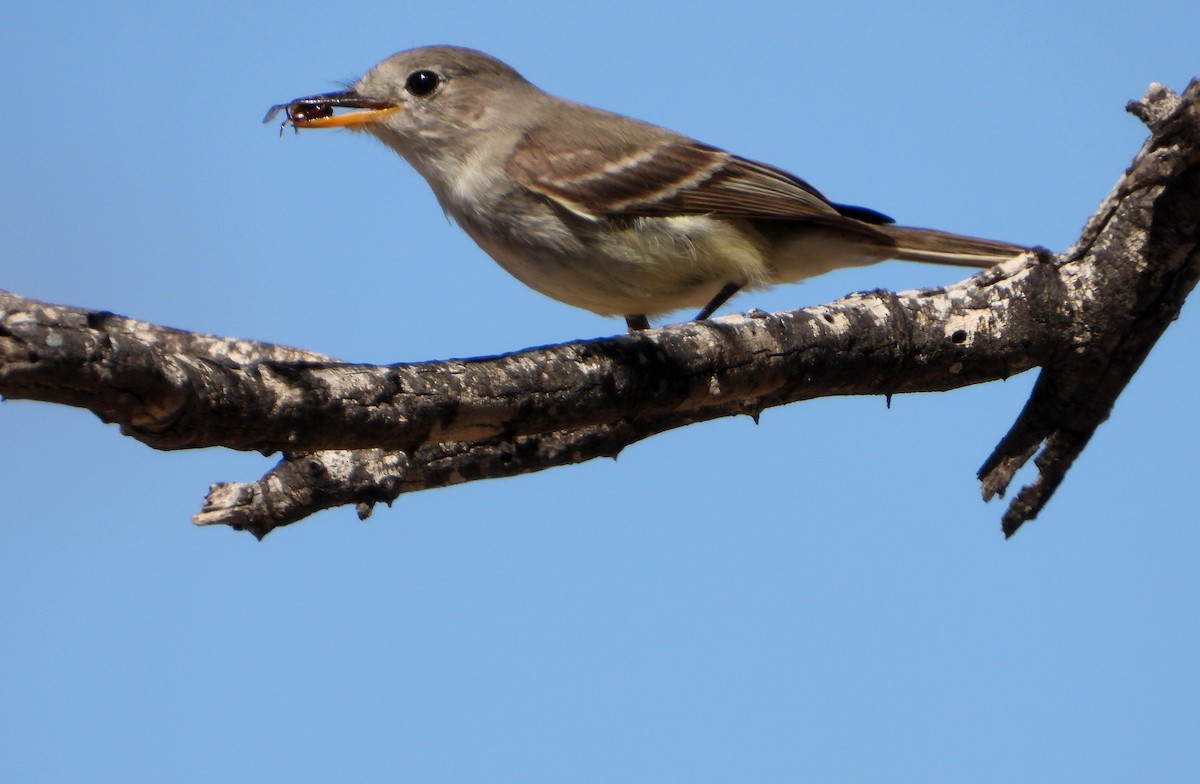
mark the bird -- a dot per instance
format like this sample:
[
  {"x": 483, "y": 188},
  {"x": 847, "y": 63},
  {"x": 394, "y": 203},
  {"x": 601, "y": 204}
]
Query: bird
[{"x": 605, "y": 212}]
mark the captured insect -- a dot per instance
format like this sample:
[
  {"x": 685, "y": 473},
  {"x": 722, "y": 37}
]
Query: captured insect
[
  {"x": 298, "y": 112},
  {"x": 310, "y": 112}
]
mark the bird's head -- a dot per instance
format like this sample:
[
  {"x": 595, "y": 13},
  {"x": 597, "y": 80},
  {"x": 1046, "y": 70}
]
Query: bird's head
[{"x": 420, "y": 102}]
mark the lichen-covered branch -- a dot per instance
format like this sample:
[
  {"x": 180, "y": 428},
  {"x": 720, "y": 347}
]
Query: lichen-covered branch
[
  {"x": 171, "y": 396},
  {"x": 359, "y": 434}
]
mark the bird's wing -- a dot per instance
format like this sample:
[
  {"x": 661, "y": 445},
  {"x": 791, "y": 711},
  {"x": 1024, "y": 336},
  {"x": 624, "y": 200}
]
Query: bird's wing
[{"x": 608, "y": 175}]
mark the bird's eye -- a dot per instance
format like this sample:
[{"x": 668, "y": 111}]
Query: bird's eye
[{"x": 422, "y": 83}]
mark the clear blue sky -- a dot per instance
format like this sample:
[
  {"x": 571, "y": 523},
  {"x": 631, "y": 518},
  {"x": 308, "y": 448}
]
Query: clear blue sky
[{"x": 822, "y": 597}]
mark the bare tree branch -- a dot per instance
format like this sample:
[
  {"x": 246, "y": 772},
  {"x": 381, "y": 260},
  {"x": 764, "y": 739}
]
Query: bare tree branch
[
  {"x": 359, "y": 434},
  {"x": 1138, "y": 258},
  {"x": 175, "y": 393}
]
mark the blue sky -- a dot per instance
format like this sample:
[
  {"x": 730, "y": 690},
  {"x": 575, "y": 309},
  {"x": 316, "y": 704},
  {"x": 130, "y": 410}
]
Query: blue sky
[{"x": 819, "y": 597}]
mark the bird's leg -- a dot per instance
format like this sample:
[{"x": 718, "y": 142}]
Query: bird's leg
[
  {"x": 637, "y": 322},
  {"x": 727, "y": 291}
]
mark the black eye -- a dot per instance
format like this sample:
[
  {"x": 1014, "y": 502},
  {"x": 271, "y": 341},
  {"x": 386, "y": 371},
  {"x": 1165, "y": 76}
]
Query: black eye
[{"x": 422, "y": 83}]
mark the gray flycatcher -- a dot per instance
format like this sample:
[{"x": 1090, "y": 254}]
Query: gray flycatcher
[{"x": 602, "y": 211}]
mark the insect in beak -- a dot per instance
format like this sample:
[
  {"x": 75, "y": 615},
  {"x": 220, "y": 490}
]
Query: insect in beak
[{"x": 317, "y": 111}]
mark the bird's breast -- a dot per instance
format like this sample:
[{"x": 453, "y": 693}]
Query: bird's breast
[{"x": 645, "y": 265}]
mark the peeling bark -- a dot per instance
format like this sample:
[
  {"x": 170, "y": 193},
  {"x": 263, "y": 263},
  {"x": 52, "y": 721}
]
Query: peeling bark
[{"x": 361, "y": 434}]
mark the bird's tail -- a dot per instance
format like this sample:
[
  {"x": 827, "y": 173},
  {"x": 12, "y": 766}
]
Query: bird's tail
[{"x": 940, "y": 247}]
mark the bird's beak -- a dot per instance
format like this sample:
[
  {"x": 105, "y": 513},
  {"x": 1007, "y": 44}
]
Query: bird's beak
[{"x": 317, "y": 111}]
